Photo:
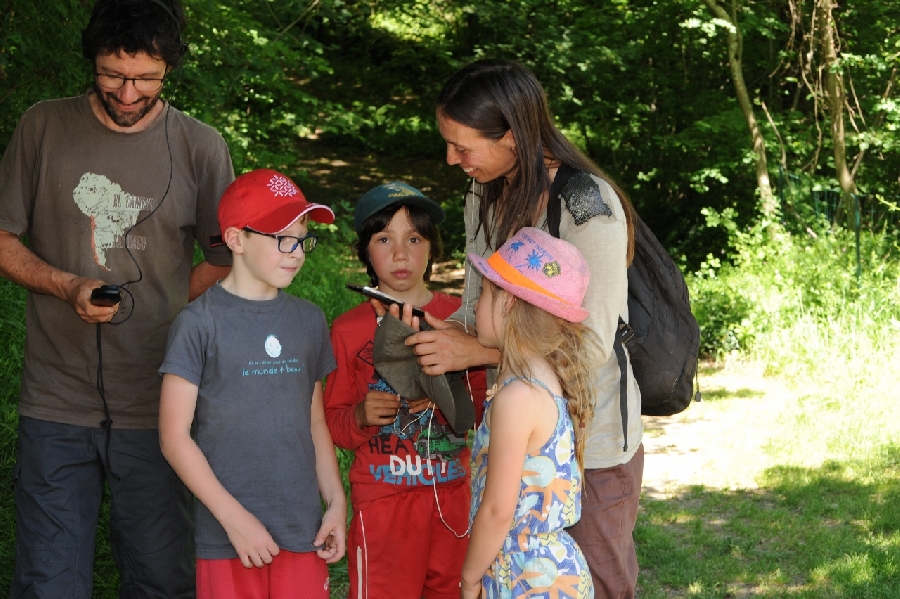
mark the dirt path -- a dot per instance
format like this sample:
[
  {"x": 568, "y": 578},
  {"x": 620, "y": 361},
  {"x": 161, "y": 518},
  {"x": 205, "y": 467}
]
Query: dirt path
[
  {"x": 333, "y": 174},
  {"x": 710, "y": 444}
]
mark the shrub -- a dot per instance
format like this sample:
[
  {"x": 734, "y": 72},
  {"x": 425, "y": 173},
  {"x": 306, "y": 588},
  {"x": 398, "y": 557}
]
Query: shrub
[{"x": 774, "y": 279}]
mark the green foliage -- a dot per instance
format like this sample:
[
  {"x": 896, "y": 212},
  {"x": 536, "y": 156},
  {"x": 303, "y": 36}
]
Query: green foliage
[
  {"x": 644, "y": 87},
  {"x": 12, "y": 339},
  {"x": 40, "y": 55},
  {"x": 774, "y": 277},
  {"x": 244, "y": 78}
]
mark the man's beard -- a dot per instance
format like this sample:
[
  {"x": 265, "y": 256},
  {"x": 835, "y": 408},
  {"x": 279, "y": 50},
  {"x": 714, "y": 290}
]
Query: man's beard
[{"x": 121, "y": 119}]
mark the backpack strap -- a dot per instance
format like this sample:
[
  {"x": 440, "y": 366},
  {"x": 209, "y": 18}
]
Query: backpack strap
[
  {"x": 554, "y": 202},
  {"x": 624, "y": 332}
]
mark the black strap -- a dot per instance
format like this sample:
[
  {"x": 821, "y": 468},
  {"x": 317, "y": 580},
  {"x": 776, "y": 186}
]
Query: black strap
[
  {"x": 624, "y": 332},
  {"x": 554, "y": 203}
]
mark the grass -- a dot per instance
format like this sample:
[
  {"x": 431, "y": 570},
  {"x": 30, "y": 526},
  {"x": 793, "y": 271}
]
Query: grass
[
  {"x": 829, "y": 531},
  {"x": 819, "y": 517},
  {"x": 809, "y": 532}
]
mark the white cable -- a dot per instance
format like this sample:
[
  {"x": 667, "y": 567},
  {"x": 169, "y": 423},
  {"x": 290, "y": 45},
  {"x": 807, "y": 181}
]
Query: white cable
[{"x": 434, "y": 485}]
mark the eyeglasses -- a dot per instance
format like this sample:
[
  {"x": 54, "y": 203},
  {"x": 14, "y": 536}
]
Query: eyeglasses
[
  {"x": 145, "y": 86},
  {"x": 287, "y": 244}
]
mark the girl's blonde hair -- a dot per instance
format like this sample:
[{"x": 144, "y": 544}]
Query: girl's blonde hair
[{"x": 571, "y": 349}]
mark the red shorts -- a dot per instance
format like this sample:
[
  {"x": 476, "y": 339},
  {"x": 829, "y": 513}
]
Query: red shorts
[
  {"x": 399, "y": 547},
  {"x": 300, "y": 575}
]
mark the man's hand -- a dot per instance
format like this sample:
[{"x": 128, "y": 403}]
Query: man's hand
[
  {"x": 21, "y": 266},
  {"x": 78, "y": 295},
  {"x": 378, "y": 408}
]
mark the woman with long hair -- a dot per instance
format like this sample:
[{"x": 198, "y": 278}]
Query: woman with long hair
[{"x": 495, "y": 120}]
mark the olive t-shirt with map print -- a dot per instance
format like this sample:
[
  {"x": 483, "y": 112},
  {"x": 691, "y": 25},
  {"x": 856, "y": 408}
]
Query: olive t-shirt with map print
[{"x": 75, "y": 187}]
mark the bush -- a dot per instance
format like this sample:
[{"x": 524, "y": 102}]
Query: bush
[
  {"x": 774, "y": 279},
  {"x": 12, "y": 338}
]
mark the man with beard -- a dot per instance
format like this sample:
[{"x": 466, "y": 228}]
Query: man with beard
[{"x": 112, "y": 187}]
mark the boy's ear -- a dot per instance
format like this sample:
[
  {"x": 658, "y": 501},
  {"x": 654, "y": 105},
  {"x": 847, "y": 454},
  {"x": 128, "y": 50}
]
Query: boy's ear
[{"x": 233, "y": 238}]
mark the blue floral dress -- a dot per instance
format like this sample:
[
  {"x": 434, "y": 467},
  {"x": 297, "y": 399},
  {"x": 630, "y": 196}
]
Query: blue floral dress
[{"x": 538, "y": 557}]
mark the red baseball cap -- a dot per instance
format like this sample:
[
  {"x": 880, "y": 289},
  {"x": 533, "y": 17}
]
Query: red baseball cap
[{"x": 266, "y": 201}]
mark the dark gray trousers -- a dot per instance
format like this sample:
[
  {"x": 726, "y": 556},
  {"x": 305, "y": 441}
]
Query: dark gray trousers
[{"x": 59, "y": 476}]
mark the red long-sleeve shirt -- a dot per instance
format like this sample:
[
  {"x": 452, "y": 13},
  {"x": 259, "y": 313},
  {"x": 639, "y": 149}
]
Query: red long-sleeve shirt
[{"x": 385, "y": 462}]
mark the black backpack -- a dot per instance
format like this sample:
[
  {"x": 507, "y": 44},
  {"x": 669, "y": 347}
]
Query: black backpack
[{"x": 662, "y": 335}]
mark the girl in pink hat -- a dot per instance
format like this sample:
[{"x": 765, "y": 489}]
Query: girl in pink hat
[{"x": 527, "y": 457}]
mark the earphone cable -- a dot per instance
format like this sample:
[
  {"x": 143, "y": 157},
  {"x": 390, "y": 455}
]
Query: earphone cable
[{"x": 107, "y": 422}]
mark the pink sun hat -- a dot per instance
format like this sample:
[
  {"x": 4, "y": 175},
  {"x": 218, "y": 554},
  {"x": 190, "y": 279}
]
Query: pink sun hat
[
  {"x": 540, "y": 269},
  {"x": 267, "y": 202}
]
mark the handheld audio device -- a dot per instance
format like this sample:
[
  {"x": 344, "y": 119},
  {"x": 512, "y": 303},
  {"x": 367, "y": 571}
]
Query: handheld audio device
[
  {"x": 384, "y": 298},
  {"x": 106, "y": 295}
]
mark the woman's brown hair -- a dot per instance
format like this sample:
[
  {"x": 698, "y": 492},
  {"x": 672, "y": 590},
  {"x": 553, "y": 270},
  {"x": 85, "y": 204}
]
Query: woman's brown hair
[{"x": 496, "y": 96}]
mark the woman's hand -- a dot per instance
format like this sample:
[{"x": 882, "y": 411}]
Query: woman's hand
[{"x": 447, "y": 348}]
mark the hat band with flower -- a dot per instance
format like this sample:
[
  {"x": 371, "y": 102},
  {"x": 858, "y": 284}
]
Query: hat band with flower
[{"x": 540, "y": 269}]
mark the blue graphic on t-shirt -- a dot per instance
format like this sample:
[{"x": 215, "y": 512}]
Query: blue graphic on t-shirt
[{"x": 266, "y": 367}]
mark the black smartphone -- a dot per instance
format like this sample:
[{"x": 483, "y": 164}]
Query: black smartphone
[
  {"x": 106, "y": 295},
  {"x": 384, "y": 298}
]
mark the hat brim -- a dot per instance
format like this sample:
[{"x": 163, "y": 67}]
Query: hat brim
[
  {"x": 399, "y": 366},
  {"x": 559, "y": 308},
  {"x": 426, "y": 205},
  {"x": 284, "y": 216}
]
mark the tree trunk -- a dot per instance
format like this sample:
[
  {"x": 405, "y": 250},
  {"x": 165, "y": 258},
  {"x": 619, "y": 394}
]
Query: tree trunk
[
  {"x": 735, "y": 49},
  {"x": 834, "y": 92}
]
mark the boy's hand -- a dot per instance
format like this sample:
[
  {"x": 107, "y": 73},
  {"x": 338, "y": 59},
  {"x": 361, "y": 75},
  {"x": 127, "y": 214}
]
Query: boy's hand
[
  {"x": 405, "y": 315},
  {"x": 332, "y": 536},
  {"x": 253, "y": 543},
  {"x": 379, "y": 408}
]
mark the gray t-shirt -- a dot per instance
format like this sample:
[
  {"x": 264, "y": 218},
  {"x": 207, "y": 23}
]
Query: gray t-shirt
[
  {"x": 256, "y": 364},
  {"x": 74, "y": 187}
]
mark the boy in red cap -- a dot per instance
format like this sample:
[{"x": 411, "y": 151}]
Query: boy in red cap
[{"x": 243, "y": 368}]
